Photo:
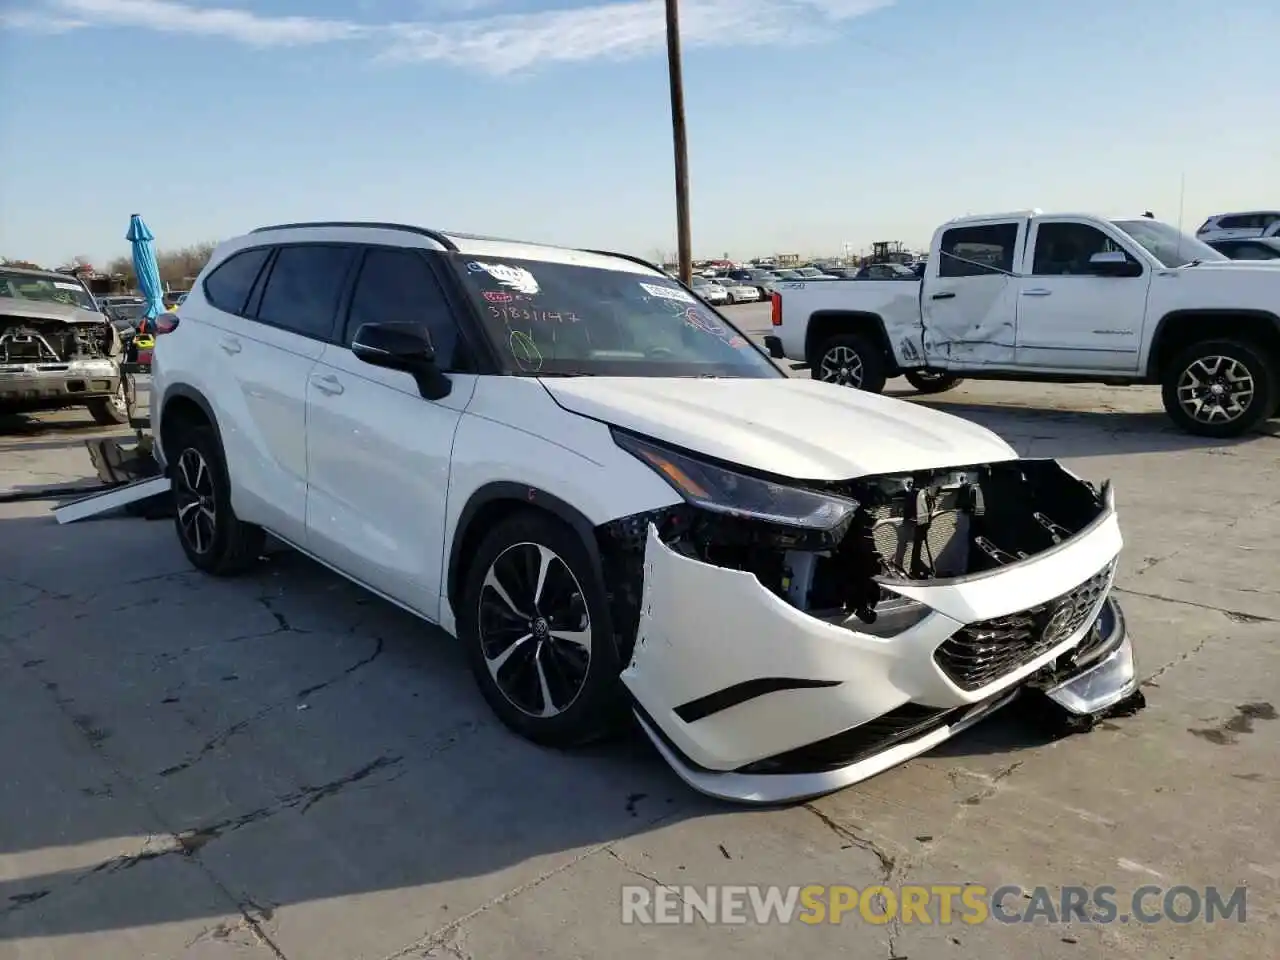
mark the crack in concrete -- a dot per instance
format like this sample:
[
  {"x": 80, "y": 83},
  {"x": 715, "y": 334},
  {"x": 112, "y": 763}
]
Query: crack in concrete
[
  {"x": 887, "y": 861},
  {"x": 240, "y": 726},
  {"x": 1150, "y": 562},
  {"x": 632, "y": 869},
  {"x": 904, "y": 865},
  {"x": 359, "y": 664},
  {"x": 441, "y": 937},
  {"x": 188, "y": 843},
  {"x": 1236, "y": 615}
]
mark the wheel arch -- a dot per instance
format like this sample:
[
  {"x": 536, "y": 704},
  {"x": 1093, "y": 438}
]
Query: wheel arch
[
  {"x": 1180, "y": 328},
  {"x": 184, "y": 404},
  {"x": 824, "y": 324},
  {"x": 494, "y": 502}
]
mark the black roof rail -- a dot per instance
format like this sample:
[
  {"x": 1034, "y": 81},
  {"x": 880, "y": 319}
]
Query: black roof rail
[
  {"x": 435, "y": 235},
  {"x": 626, "y": 256}
]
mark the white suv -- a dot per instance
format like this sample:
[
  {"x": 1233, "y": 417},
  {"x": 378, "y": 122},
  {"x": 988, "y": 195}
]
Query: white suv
[{"x": 621, "y": 506}]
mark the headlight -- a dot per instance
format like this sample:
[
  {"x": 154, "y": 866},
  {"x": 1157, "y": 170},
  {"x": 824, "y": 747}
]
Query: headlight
[{"x": 737, "y": 494}]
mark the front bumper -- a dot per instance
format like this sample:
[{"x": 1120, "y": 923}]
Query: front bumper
[
  {"x": 753, "y": 700},
  {"x": 59, "y": 383}
]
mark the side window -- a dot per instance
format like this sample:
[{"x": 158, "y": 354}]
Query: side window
[
  {"x": 1064, "y": 249},
  {"x": 978, "y": 251},
  {"x": 227, "y": 288},
  {"x": 1256, "y": 251},
  {"x": 397, "y": 286},
  {"x": 302, "y": 291},
  {"x": 1242, "y": 221}
]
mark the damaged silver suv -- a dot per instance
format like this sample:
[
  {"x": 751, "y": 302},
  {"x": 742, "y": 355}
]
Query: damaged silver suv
[{"x": 57, "y": 348}]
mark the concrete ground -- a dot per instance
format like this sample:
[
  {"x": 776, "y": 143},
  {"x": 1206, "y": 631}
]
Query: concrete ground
[{"x": 283, "y": 766}]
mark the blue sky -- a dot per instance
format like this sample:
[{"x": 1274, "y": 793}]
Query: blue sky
[{"x": 812, "y": 122}]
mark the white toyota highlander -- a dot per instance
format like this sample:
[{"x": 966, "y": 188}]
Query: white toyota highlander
[{"x": 620, "y": 506}]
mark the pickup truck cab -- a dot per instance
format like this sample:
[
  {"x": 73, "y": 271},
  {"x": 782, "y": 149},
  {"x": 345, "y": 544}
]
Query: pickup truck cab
[{"x": 1055, "y": 298}]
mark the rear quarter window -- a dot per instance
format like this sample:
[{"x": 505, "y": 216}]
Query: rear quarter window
[{"x": 227, "y": 287}]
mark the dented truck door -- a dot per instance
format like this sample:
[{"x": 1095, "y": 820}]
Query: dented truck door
[{"x": 969, "y": 299}]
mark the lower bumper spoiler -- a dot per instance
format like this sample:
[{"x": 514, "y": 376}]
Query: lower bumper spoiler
[{"x": 1107, "y": 680}]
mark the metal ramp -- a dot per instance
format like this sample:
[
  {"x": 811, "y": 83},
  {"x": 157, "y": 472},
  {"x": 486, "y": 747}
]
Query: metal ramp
[
  {"x": 129, "y": 471},
  {"x": 113, "y": 499}
]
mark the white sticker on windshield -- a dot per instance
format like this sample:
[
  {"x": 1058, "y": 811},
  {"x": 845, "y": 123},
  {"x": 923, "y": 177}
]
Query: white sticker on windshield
[
  {"x": 667, "y": 293},
  {"x": 517, "y": 278},
  {"x": 63, "y": 285}
]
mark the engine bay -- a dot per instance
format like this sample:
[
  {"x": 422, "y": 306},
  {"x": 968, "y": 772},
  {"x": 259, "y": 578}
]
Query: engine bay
[
  {"x": 923, "y": 526},
  {"x": 27, "y": 340}
]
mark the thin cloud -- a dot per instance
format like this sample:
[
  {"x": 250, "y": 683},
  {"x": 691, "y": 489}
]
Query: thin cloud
[{"x": 465, "y": 33}]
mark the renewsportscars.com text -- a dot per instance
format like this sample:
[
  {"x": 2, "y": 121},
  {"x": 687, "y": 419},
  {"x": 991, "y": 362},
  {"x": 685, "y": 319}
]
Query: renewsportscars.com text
[{"x": 930, "y": 904}]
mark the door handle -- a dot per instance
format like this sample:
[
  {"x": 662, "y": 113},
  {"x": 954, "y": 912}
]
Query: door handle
[
  {"x": 328, "y": 384},
  {"x": 1037, "y": 292},
  {"x": 230, "y": 345},
  {"x": 943, "y": 296}
]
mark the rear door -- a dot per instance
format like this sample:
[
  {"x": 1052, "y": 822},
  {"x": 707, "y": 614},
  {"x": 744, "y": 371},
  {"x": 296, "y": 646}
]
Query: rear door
[
  {"x": 378, "y": 453},
  {"x": 969, "y": 298},
  {"x": 269, "y": 355}
]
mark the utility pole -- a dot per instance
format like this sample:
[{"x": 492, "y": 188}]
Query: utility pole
[{"x": 683, "y": 235}]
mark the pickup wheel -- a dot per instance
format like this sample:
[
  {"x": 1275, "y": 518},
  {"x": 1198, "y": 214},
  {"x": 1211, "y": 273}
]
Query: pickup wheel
[
  {"x": 932, "y": 381},
  {"x": 1220, "y": 388},
  {"x": 850, "y": 360}
]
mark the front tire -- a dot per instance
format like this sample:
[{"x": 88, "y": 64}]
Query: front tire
[
  {"x": 116, "y": 409},
  {"x": 932, "y": 381},
  {"x": 850, "y": 360},
  {"x": 1220, "y": 388},
  {"x": 535, "y": 624},
  {"x": 214, "y": 539}
]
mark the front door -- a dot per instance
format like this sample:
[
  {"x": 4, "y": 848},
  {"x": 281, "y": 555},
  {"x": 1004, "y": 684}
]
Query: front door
[
  {"x": 970, "y": 297},
  {"x": 1070, "y": 317},
  {"x": 378, "y": 453}
]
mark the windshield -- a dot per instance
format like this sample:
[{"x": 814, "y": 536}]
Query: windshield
[
  {"x": 130, "y": 310},
  {"x": 563, "y": 319},
  {"x": 25, "y": 286},
  {"x": 1169, "y": 245}
]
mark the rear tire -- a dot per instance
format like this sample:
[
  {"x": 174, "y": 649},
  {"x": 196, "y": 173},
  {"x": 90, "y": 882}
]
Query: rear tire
[
  {"x": 214, "y": 539},
  {"x": 850, "y": 360},
  {"x": 1220, "y": 388},
  {"x": 535, "y": 623},
  {"x": 929, "y": 381}
]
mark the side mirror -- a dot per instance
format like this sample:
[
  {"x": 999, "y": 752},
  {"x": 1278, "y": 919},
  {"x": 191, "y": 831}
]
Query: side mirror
[
  {"x": 1113, "y": 263},
  {"x": 404, "y": 347}
]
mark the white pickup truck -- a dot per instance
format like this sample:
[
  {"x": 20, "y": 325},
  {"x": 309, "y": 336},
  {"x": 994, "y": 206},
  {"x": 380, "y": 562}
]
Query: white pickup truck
[{"x": 1055, "y": 298}]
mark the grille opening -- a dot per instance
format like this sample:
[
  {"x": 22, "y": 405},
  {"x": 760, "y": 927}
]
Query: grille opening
[{"x": 981, "y": 653}]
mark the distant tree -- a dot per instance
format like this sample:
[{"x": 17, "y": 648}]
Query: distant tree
[
  {"x": 20, "y": 264},
  {"x": 123, "y": 267},
  {"x": 178, "y": 268}
]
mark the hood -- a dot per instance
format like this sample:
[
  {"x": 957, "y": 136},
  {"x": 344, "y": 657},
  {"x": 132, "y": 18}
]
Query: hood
[
  {"x": 801, "y": 429},
  {"x": 39, "y": 310},
  {"x": 1217, "y": 265}
]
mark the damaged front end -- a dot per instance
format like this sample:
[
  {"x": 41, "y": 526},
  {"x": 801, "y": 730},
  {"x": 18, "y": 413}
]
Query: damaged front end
[
  {"x": 54, "y": 352},
  {"x": 786, "y": 639}
]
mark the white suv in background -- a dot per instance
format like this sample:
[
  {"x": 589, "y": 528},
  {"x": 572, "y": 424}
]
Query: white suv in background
[
  {"x": 621, "y": 506},
  {"x": 1240, "y": 226}
]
